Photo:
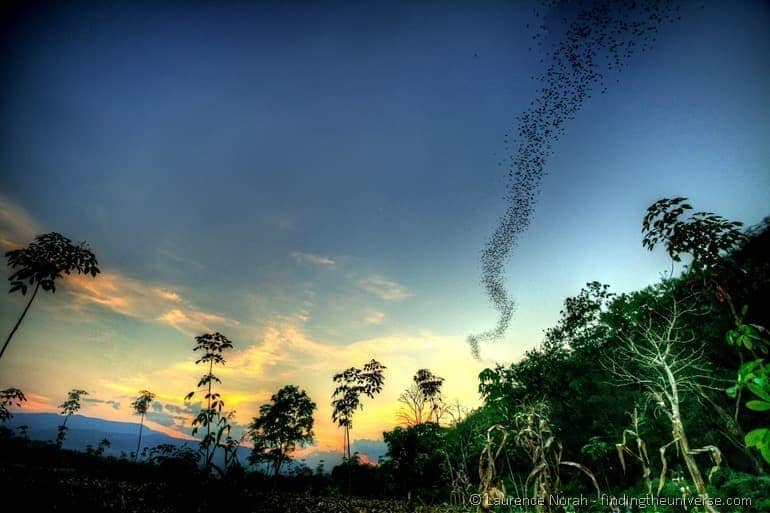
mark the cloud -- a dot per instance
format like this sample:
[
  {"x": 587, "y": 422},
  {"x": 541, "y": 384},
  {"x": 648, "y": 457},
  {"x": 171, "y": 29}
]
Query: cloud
[
  {"x": 140, "y": 300},
  {"x": 112, "y": 290},
  {"x": 177, "y": 259},
  {"x": 167, "y": 420},
  {"x": 17, "y": 226},
  {"x": 115, "y": 404},
  {"x": 375, "y": 318},
  {"x": 310, "y": 258},
  {"x": 188, "y": 320},
  {"x": 179, "y": 410},
  {"x": 383, "y": 288}
]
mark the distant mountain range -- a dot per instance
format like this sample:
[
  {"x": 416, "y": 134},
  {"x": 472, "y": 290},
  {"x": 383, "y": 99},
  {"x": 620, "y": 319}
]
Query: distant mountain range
[{"x": 84, "y": 431}]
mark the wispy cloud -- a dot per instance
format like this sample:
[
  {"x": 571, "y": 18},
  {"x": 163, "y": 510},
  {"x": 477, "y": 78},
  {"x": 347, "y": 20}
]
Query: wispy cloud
[
  {"x": 384, "y": 288},
  {"x": 178, "y": 259},
  {"x": 114, "y": 404},
  {"x": 17, "y": 226},
  {"x": 112, "y": 290},
  {"x": 140, "y": 300},
  {"x": 310, "y": 258},
  {"x": 375, "y": 318}
]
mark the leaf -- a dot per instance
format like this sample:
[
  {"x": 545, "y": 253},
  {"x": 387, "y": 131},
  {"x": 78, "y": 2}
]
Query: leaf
[
  {"x": 756, "y": 436},
  {"x": 762, "y": 393},
  {"x": 585, "y": 470},
  {"x": 758, "y": 405}
]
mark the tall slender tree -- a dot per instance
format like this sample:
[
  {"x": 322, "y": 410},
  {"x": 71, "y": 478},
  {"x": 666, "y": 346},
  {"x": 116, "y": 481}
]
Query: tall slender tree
[
  {"x": 68, "y": 408},
  {"x": 430, "y": 388},
  {"x": 346, "y": 399},
  {"x": 43, "y": 262},
  {"x": 210, "y": 417},
  {"x": 140, "y": 406}
]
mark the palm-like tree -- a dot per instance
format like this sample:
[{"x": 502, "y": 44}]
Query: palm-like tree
[
  {"x": 140, "y": 406},
  {"x": 68, "y": 408},
  {"x": 351, "y": 383},
  {"x": 212, "y": 345},
  {"x": 43, "y": 262},
  {"x": 430, "y": 387}
]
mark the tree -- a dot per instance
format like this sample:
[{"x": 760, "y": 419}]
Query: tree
[
  {"x": 415, "y": 461},
  {"x": 42, "y": 263},
  {"x": 213, "y": 345},
  {"x": 8, "y": 398},
  {"x": 703, "y": 235},
  {"x": 283, "y": 424},
  {"x": 659, "y": 355},
  {"x": 140, "y": 406},
  {"x": 68, "y": 407},
  {"x": 709, "y": 239},
  {"x": 413, "y": 407},
  {"x": 346, "y": 399},
  {"x": 430, "y": 387}
]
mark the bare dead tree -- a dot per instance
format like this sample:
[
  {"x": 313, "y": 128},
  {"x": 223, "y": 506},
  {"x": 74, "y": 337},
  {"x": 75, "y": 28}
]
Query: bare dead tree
[
  {"x": 668, "y": 363},
  {"x": 414, "y": 408}
]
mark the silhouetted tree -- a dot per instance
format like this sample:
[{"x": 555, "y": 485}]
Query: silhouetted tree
[
  {"x": 213, "y": 344},
  {"x": 42, "y": 263},
  {"x": 140, "y": 406},
  {"x": 430, "y": 387},
  {"x": 346, "y": 399},
  {"x": 8, "y": 398},
  {"x": 413, "y": 407},
  {"x": 283, "y": 424},
  {"x": 68, "y": 407}
]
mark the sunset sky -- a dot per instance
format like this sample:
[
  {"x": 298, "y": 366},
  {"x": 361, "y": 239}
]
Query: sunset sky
[{"x": 318, "y": 183}]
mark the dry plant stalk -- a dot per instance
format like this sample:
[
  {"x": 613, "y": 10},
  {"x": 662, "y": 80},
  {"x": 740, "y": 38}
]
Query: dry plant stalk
[
  {"x": 641, "y": 451},
  {"x": 535, "y": 437},
  {"x": 487, "y": 470}
]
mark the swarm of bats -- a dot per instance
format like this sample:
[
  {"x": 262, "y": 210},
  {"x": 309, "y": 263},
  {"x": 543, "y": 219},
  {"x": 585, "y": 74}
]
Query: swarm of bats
[{"x": 600, "y": 37}]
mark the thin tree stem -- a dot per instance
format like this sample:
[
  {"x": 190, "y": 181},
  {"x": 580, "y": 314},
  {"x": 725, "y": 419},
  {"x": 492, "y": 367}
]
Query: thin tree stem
[
  {"x": 209, "y": 455},
  {"x": 10, "y": 336},
  {"x": 139, "y": 444},
  {"x": 350, "y": 463}
]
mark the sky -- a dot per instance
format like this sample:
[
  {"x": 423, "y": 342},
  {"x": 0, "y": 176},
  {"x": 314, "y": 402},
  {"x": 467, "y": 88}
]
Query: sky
[{"x": 317, "y": 183}]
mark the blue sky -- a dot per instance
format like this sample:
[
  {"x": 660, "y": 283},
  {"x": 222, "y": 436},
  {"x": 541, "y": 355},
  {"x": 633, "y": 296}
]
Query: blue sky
[{"x": 324, "y": 178}]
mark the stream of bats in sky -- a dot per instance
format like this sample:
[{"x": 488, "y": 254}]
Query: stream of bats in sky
[{"x": 584, "y": 43}]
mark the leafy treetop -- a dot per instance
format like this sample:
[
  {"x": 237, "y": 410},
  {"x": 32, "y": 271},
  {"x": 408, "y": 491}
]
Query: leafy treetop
[{"x": 45, "y": 260}]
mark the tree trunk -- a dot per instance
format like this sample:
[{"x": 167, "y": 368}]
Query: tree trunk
[
  {"x": 10, "y": 336},
  {"x": 209, "y": 453},
  {"x": 679, "y": 434},
  {"x": 350, "y": 463},
  {"x": 139, "y": 444}
]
